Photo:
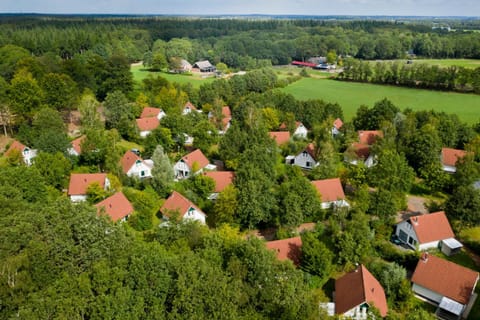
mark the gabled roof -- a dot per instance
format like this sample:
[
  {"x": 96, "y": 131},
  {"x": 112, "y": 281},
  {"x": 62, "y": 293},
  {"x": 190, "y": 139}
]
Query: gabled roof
[
  {"x": 16, "y": 145},
  {"x": 446, "y": 278},
  {"x": 177, "y": 202},
  {"x": 116, "y": 206},
  {"x": 190, "y": 106},
  {"x": 431, "y": 227},
  {"x": 150, "y": 112},
  {"x": 451, "y": 156},
  {"x": 361, "y": 150},
  {"x": 226, "y": 112},
  {"x": 79, "y": 182},
  {"x": 222, "y": 179},
  {"x": 203, "y": 64},
  {"x": 77, "y": 144},
  {"x": 358, "y": 287},
  {"x": 128, "y": 160},
  {"x": 338, "y": 123},
  {"x": 283, "y": 126},
  {"x": 329, "y": 189},
  {"x": 369, "y": 137},
  {"x": 287, "y": 249},
  {"x": 280, "y": 137},
  {"x": 148, "y": 124},
  {"x": 196, "y": 156}
]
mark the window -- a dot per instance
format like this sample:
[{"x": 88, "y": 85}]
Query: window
[
  {"x": 308, "y": 164},
  {"x": 412, "y": 241},
  {"x": 403, "y": 236},
  {"x": 142, "y": 173}
]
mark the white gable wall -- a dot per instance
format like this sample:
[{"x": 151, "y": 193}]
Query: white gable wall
[
  {"x": 194, "y": 214},
  {"x": 301, "y": 131},
  {"x": 138, "y": 168},
  {"x": 145, "y": 133},
  {"x": 78, "y": 197},
  {"x": 182, "y": 170},
  {"x": 357, "y": 313},
  {"x": 407, "y": 229},
  {"x": 449, "y": 169},
  {"x": 305, "y": 160}
]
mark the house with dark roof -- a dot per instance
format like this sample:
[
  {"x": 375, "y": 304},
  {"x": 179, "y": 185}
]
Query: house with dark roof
[
  {"x": 79, "y": 183},
  {"x": 447, "y": 284},
  {"x": 147, "y": 125},
  {"x": 178, "y": 204},
  {"x": 304, "y": 159},
  {"x": 117, "y": 207},
  {"x": 428, "y": 231},
  {"x": 192, "y": 163},
  {"x": 359, "y": 152},
  {"x": 25, "y": 152},
  {"x": 222, "y": 180},
  {"x": 356, "y": 292},
  {"x": 287, "y": 249},
  {"x": 280, "y": 137},
  {"x": 204, "y": 66},
  {"x": 449, "y": 158},
  {"x": 331, "y": 193},
  {"x": 136, "y": 167},
  {"x": 149, "y": 112}
]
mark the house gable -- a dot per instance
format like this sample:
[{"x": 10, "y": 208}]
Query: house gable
[
  {"x": 287, "y": 249},
  {"x": 116, "y": 206},
  {"x": 185, "y": 208}
]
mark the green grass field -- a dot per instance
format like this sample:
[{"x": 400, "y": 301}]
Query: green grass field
[
  {"x": 350, "y": 96},
  {"x": 140, "y": 73},
  {"x": 467, "y": 63}
]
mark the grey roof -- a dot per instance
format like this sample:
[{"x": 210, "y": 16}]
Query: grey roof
[{"x": 203, "y": 64}]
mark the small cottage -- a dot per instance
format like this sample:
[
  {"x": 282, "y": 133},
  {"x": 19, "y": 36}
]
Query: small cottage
[
  {"x": 178, "y": 204},
  {"x": 117, "y": 207},
  {"x": 79, "y": 183},
  {"x": 331, "y": 193}
]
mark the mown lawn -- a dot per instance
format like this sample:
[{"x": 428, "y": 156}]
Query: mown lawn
[
  {"x": 350, "y": 95},
  {"x": 467, "y": 63},
  {"x": 140, "y": 73}
]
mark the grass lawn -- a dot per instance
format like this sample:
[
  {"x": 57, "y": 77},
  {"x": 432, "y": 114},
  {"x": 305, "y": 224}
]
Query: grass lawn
[
  {"x": 351, "y": 95},
  {"x": 289, "y": 70},
  {"x": 467, "y": 63},
  {"x": 127, "y": 145},
  {"x": 140, "y": 73}
]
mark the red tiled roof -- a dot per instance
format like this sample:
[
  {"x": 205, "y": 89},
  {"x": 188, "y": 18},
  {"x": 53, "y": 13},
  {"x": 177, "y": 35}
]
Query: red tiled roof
[
  {"x": 190, "y": 105},
  {"x": 361, "y": 150},
  {"x": 446, "y": 278},
  {"x": 329, "y": 189},
  {"x": 148, "y": 124},
  {"x": 177, "y": 202},
  {"x": 16, "y": 145},
  {"x": 222, "y": 179},
  {"x": 226, "y": 112},
  {"x": 150, "y": 112},
  {"x": 338, "y": 123},
  {"x": 128, "y": 160},
  {"x": 77, "y": 144},
  {"x": 369, "y": 137},
  {"x": 432, "y": 227},
  {"x": 283, "y": 126},
  {"x": 198, "y": 157},
  {"x": 116, "y": 206},
  {"x": 280, "y": 137},
  {"x": 451, "y": 156},
  {"x": 287, "y": 249},
  {"x": 303, "y": 64},
  {"x": 79, "y": 182},
  {"x": 311, "y": 150},
  {"x": 356, "y": 288}
]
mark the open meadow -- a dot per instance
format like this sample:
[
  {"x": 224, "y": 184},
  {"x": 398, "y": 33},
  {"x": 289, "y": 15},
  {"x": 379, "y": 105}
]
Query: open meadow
[
  {"x": 350, "y": 95},
  {"x": 140, "y": 73},
  {"x": 466, "y": 63}
]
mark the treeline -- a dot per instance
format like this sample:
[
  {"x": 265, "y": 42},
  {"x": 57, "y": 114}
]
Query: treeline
[
  {"x": 232, "y": 41},
  {"x": 416, "y": 74}
]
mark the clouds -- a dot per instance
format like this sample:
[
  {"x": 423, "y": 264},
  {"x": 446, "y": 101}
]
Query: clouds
[{"x": 205, "y": 7}]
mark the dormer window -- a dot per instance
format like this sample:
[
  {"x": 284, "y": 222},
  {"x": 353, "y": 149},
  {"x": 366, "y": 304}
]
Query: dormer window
[{"x": 190, "y": 211}]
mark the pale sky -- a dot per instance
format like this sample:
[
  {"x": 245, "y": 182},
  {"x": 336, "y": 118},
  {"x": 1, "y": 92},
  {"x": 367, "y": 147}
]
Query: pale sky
[{"x": 206, "y": 7}]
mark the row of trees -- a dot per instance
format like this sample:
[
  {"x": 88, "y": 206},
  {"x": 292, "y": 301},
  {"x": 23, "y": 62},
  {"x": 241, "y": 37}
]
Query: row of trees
[{"x": 417, "y": 74}]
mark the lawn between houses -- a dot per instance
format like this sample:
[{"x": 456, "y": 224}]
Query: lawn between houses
[
  {"x": 350, "y": 95},
  {"x": 139, "y": 73}
]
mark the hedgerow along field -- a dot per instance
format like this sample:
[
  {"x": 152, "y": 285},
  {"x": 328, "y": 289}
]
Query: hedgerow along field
[
  {"x": 139, "y": 73},
  {"x": 350, "y": 95}
]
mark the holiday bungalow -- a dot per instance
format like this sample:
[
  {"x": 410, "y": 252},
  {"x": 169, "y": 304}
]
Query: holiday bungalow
[
  {"x": 305, "y": 159},
  {"x": 26, "y": 153},
  {"x": 360, "y": 151},
  {"x": 117, "y": 207},
  {"x": 192, "y": 163},
  {"x": 149, "y": 112},
  {"x": 136, "y": 167},
  {"x": 287, "y": 249},
  {"x": 79, "y": 183},
  {"x": 222, "y": 180},
  {"x": 76, "y": 146},
  {"x": 450, "y": 157},
  {"x": 189, "y": 107},
  {"x": 147, "y": 125},
  {"x": 177, "y": 204},
  {"x": 300, "y": 130},
  {"x": 337, "y": 125},
  {"x": 280, "y": 137},
  {"x": 331, "y": 193}
]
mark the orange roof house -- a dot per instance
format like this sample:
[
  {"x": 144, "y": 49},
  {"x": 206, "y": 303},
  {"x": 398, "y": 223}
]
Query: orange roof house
[
  {"x": 184, "y": 207},
  {"x": 189, "y": 107},
  {"x": 26, "y": 153},
  {"x": 134, "y": 166},
  {"x": 76, "y": 148},
  {"x": 300, "y": 130},
  {"x": 287, "y": 249},
  {"x": 226, "y": 119},
  {"x": 147, "y": 125},
  {"x": 331, "y": 192},
  {"x": 280, "y": 137},
  {"x": 149, "y": 112},
  {"x": 369, "y": 137},
  {"x": 79, "y": 183},
  {"x": 360, "y": 151},
  {"x": 425, "y": 231},
  {"x": 222, "y": 180},
  {"x": 337, "y": 125},
  {"x": 194, "y": 160},
  {"x": 117, "y": 207},
  {"x": 305, "y": 159},
  {"x": 448, "y": 284},
  {"x": 358, "y": 290},
  {"x": 449, "y": 158}
]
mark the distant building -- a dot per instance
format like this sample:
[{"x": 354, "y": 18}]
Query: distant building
[
  {"x": 331, "y": 193},
  {"x": 204, "y": 66},
  {"x": 147, "y": 125},
  {"x": 79, "y": 183},
  {"x": 117, "y": 207},
  {"x": 304, "y": 159},
  {"x": 280, "y": 137},
  {"x": 26, "y": 153},
  {"x": 186, "y": 209},
  {"x": 450, "y": 157},
  {"x": 134, "y": 166},
  {"x": 222, "y": 180},
  {"x": 287, "y": 249},
  {"x": 192, "y": 163}
]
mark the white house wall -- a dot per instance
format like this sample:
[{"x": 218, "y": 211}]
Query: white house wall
[
  {"x": 428, "y": 245},
  {"x": 144, "y": 134},
  {"x": 357, "y": 313},
  {"x": 408, "y": 229},
  {"x": 180, "y": 169},
  {"x": 195, "y": 215},
  {"x": 302, "y": 159},
  {"x": 78, "y": 197},
  {"x": 137, "y": 169},
  {"x": 449, "y": 169},
  {"x": 301, "y": 132},
  {"x": 427, "y": 293}
]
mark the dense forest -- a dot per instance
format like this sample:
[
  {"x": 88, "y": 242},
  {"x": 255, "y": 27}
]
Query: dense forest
[{"x": 60, "y": 260}]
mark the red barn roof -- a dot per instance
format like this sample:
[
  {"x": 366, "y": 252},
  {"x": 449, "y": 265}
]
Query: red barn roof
[
  {"x": 148, "y": 124},
  {"x": 329, "y": 189},
  {"x": 280, "y": 137},
  {"x": 432, "y": 227},
  {"x": 451, "y": 156},
  {"x": 79, "y": 182},
  {"x": 446, "y": 278},
  {"x": 177, "y": 202},
  {"x": 222, "y": 179},
  {"x": 198, "y": 157},
  {"x": 116, "y": 206},
  {"x": 356, "y": 288},
  {"x": 287, "y": 249}
]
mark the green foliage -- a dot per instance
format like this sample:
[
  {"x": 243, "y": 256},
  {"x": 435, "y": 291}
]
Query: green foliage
[
  {"x": 48, "y": 132},
  {"x": 25, "y": 95},
  {"x": 54, "y": 168},
  {"x": 146, "y": 205},
  {"x": 119, "y": 114},
  {"x": 162, "y": 171},
  {"x": 95, "y": 193},
  {"x": 225, "y": 207},
  {"x": 317, "y": 259}
]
